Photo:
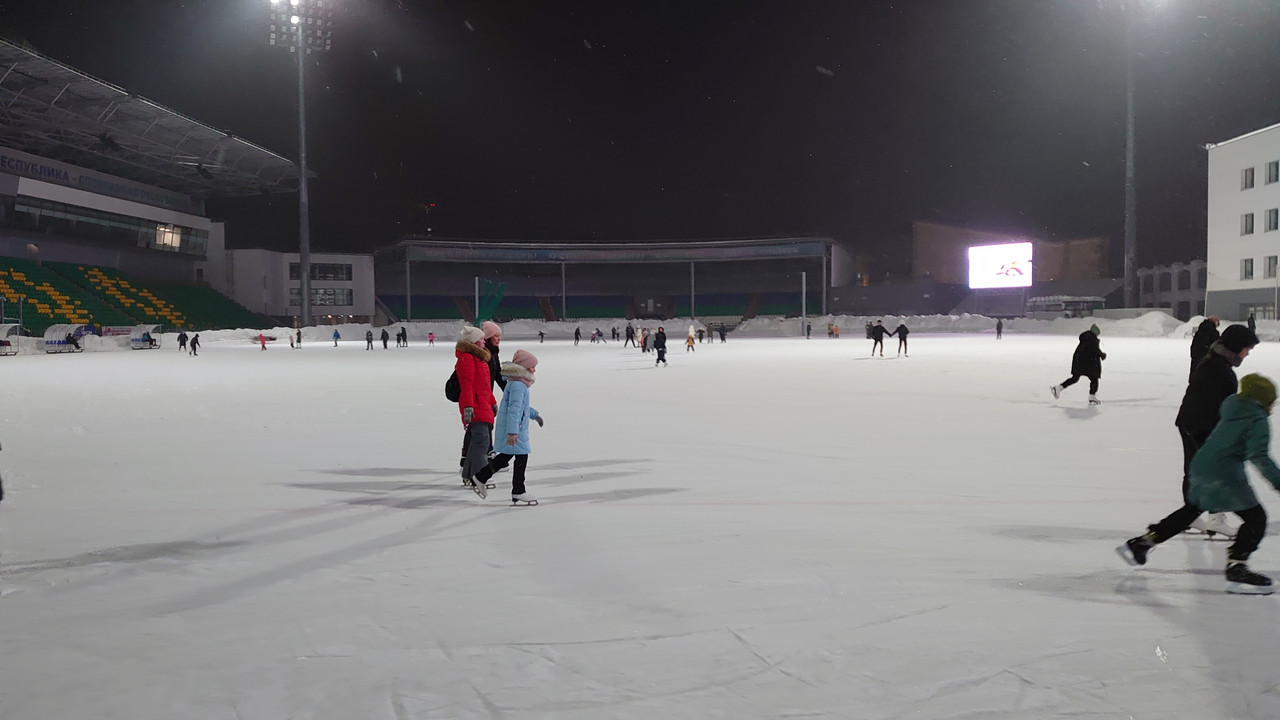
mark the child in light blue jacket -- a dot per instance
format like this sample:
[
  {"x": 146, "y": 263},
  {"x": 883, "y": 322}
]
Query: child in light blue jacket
[{"x": 511, "y": 426}]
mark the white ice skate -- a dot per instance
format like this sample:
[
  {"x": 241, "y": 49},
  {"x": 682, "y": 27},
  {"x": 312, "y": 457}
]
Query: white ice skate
[
  {"x": 1093, "y": 400},
  {"x": 1056, "y": 390},
  {"x": 1214, "y": 524},
  {"x": 480, "y": 489},
  {"x": 523, "y": 499}
]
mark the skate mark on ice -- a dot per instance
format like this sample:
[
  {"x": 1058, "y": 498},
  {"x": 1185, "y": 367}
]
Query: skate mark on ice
[
  {"x": 593, "y": 463},
  {"x": 365, "y": 487},
  {"x": 126, "y": 554},
  {"x": 385, "y": 472},
  {"x": 562, "y": 480},
  {"x": 614, "y": 495},
  {"x": 766, "y": 662},
  {"x": 1050, "y": 533}
]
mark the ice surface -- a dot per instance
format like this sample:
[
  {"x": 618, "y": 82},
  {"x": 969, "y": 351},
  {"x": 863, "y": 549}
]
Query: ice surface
[{"x": 768, "y": 528}]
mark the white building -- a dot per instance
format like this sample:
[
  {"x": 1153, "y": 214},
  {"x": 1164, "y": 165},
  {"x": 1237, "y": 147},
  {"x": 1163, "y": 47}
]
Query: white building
[
  {"x": 1178, "y": 288},
  {"x": 1244, "y": 226},
  {"x": 268, "y": 282}
]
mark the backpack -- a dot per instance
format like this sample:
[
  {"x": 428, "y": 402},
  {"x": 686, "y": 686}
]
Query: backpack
[{"x": 452, "y": 390}]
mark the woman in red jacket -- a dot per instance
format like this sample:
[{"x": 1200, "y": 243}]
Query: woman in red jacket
[{"x": 475, "y": 400}]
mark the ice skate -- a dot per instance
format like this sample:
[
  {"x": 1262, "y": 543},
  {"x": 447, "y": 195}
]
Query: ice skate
[
  {"x": 1135, "y": 550},
  {"x": 1056, "y": 390},
  {"x": 1243, "y": 581},
  {"x": 523, "y": 499},
  {"x": 1093, "y": 400},
  {"x": 1214, "y": 524},
  {"x": 479, "y": 488}
]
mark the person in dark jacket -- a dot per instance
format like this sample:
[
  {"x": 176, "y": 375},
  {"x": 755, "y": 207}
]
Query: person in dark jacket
[
  {"x": 878, "y": 331},
  {"x": 368, "y": 340},
  {"x": 182, "y": 340},
  {"x": 999, "y": 328},
  {"x": 1087, "y": 362},
  {"x": 195, "y": 345},
  {"x": 660, "y": 344},
  {"x": 1253, "y": 324},
  {"x": 721, "y": 330},
  {"x": 1206, "y": 335},
  {"x": 630, "y": 333},
  {"x": 901, "y": 331},
  {"x": 1218, "y": 484},
  {"x": 1212, "y": 381},
  {"x": 577, "y": 335},
  {"x": 385, "y": 337}
]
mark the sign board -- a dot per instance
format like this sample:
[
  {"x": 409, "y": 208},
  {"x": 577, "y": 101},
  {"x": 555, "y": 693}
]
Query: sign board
[{"x": 1000, "y": 266}]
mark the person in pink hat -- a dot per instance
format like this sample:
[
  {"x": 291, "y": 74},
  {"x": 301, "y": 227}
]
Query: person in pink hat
[{"x": 511, "y": 428}]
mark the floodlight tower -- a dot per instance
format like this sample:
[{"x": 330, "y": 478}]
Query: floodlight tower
[{"x": 303, "y": 26}]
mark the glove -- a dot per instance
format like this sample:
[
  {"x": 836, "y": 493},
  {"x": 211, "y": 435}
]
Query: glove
[
  {"x": 538, "y": 420},
  {"x": 495, "y": 409},
  {"x": 467, "y": 415}
]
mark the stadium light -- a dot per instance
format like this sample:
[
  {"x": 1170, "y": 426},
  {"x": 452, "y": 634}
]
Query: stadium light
[{"x": 305, "y": 27}]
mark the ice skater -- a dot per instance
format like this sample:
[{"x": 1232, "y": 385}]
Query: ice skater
[
  {"x": 1219, "y": 484},
  {"x": 688, "y": 341},
  {"x": 511, "y": 426},
  {"x": 630, "y": 333},
  {"x": 475, "y": 402},
  {"x": 182, "y": 340},
  {"x": 385, "y": 337},
  {"x": 431, "y": 339},
  {"x": 1206, "y": 335},
  {"x": 336, "y": 337},
  {"x": 577, "y": 335},
  {"x": 1086, "y": 361},
  {"x": 299, "y": 345},
  {"x": 878, "y": 331},
  {"x": 368, "y": 339},
  {"x": 262, "y": 339},
  {"x": 195, "y": 345},
  {"x": 999, "y": 329},
  {"x": 901, "y": 331},
  {"x": 660, "y": 345}
]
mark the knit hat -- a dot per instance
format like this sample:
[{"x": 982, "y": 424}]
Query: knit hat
[
  {"x": 1095, "y": 329},
  {"x": 490, "y": 329},
  {"x": 1238, "y": 337},
  {"x": 1258, "y": 389},
  {"x": 525, "y": 359},
  {"x": 472, "y": 334}
]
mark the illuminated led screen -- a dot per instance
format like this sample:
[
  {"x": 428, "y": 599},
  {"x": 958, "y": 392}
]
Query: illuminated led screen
[{"x": 1000, "y": 266}]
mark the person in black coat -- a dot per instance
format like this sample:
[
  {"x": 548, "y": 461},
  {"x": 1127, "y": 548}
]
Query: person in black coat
[
  {"x": 1211, "y": 382},
  {"x": 1087, "y": 362},
  {"x": 1206, "y": 335},
  {"x": 901, "y": 331},
  {"x": 878, "y": 331},
  {"x": 660, "y": 344}
]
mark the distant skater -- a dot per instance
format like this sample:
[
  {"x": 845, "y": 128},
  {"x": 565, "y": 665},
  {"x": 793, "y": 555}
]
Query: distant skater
[
  {"x": 999, "y": 329},
  {"x": 630, "y": 334},
  {"x": 195, "y": 344},
  {"x": 660, "y": 345},
  {"x": 688, "y": 341},
  {"x": 336, "y": 337},
  {"x": 182, "y": 340},
  {"x": 262, "y": 339},
  {"x": 385, "y": 337},
  {"x": 721, "y": 331},
  {"x": 1086, "y": 361},
  {"x": 878, "y": 331},
  {"x": 431, "y": 339},
  {"x": 541, "y": 337},
  {"x": 577, "y": 335},
  {"x": 901, "y": 331},
  {"x": 299, "y": 346},
  {"x": 368, "y": 339}
]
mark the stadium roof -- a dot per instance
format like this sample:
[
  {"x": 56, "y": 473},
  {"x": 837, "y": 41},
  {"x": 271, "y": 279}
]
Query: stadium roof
[
  {"x": 60, "y": 113},
  {"x": 420, "y": 248}
]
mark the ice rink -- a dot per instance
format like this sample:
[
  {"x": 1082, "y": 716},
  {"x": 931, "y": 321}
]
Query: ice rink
[{"x": 768, "y": 528}]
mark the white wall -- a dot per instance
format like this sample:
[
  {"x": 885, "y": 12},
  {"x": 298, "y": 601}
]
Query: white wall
[
  {"x": 259, "y": 280},
  {"x": 1227, "y": 202}
]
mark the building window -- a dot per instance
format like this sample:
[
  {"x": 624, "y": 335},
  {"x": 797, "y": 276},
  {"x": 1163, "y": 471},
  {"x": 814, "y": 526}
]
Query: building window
[
  {"x": 1148, "y": 283},
  {"x": 1166, "y": 282},
  {"x": 1200, "y": 307},
  {"x": 1270, "y": 268},
  {"x": 341, "y": 297},
  {"x": 1202, "y": 278},
  {"x": 323, "y": 271},
  {"x": 1246, "y": 269},
  {"x": 1184, "y": 279},
  {"x": 1246, "y": 178},
  {"x": 1184, "y": 310},
  {"x": 1273, "y": 219},
  {"x": 1246, "y": 224},
  {"x": 1273, "y": 171}
]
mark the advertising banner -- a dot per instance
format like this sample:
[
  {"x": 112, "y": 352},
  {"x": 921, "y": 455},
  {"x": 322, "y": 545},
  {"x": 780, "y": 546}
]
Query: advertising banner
[{"x": 1000, "y": 266}]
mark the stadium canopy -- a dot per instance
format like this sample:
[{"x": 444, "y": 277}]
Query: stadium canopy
[
  {"x": 418, "y": 248},
  {"x": 55, "y": 111}
]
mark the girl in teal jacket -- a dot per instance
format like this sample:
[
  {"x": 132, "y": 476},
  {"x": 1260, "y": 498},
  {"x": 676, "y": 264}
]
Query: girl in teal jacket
[
  {"x": 511, "y": 426},
  {"x": 1218, "y": 482}
]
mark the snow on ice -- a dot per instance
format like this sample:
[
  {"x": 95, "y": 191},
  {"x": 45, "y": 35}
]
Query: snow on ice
[{"x": 771, "y": 527}]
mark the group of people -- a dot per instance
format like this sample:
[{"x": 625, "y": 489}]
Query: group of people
[
  {"x": 194, "y": 340},
  {"x": 1222, "y": 427},
  {"x": 478, "y": 369}
]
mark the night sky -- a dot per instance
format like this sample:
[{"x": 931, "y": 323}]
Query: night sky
[{"x": 616, "y": 120}]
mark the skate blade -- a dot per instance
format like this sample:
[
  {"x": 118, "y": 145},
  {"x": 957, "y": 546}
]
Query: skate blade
[
  {"x": 522, "y": 503},
  {"x": 1235, "y": 588},
  {"x": 1127, "y": 556},
  {"x": 469, "y": 486},
  {"x": 1209, "y": 534}
]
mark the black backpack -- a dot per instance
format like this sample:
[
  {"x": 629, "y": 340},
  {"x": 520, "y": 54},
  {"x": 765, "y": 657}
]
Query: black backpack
[{"x": 452, "y": 390}]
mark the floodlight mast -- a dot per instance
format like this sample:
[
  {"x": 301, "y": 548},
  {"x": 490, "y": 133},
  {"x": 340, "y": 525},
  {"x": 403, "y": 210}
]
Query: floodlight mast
[{"x": 304, "y": 26}]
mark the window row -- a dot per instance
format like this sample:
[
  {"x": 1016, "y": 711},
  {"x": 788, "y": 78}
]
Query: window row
[
  {"x": 1273, "y": 175},
  {"x": 1166, "y": 281},
  {"x": 322, "y": 271},
  {"x": 1273, "y": 221},
  {"x": 343, "y": 297},
  {"x": 79, "y": 222},
  {"x": 1269, "y": 267}
]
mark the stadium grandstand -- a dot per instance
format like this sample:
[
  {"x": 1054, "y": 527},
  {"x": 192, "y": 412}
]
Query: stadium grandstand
[
  {"x": 723, "y": 280},
  {"x": 102, "y": 203}
]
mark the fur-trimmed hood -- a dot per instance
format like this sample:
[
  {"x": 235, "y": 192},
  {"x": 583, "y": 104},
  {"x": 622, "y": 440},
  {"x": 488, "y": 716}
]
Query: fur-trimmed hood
[
  {"x": 472, "y": 349},
  {"x": 512, "y": 371}
]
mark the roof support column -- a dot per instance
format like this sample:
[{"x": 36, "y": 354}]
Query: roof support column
[{"x": 563, "y": 300}]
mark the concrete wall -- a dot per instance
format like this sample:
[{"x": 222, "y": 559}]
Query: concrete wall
[{"x": 1229, "y": 295}]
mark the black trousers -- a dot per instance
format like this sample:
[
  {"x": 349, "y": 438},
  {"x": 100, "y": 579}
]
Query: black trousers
[
  {"x": 662, "y": 357},
  {"x": 500, "y": 461},
  {"x": 902, "y": 344},
  {"x": 1191, "y": 444},
  {"x": 874, "y": 343},
  {"x": 1247, "y": 537},
  {"x": 1093, "y": 383}
]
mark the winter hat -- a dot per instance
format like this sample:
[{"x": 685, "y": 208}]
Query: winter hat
[
  {"x": 1258, "y": 389},
  {"x": 1095, "y": 329},
  {"x": 1238, "y": 337},
  {"x": 490, "y": 329},
  {"x": 525, "y": 359},
  {"x": 472, "y": 334}
]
